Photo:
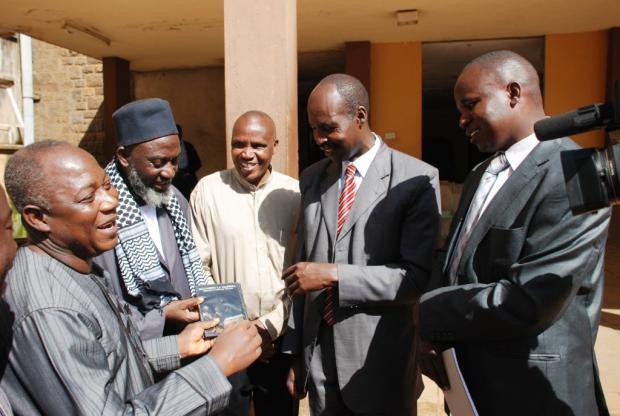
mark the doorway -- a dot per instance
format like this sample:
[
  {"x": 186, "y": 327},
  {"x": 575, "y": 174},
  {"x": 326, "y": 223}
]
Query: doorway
[
  {"x": 444, "y": 144},
  {"x": 313, "y": 66}
]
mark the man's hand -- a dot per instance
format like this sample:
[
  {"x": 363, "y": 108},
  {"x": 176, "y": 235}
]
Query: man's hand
[
  {"x": 236, "y": 347},
  {"x": 191, "y": 340},
  {"x": 431, "y": 364},
  {"x": 267, "y": 344},
  {"x": 290, "y": 385},
  {"x": 306, "y": 277},
  {"x": 185, "y": 310}
]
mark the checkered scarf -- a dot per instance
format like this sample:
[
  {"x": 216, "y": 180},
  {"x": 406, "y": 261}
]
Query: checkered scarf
[{"x": 137, "y": 256}]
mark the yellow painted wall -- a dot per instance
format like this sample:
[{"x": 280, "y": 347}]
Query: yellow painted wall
[
  {"x": 396, "y": 94},
  {"x": 576, "y": 75}
]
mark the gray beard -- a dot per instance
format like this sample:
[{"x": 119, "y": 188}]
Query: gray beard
[{"x": 149, "y": 195}]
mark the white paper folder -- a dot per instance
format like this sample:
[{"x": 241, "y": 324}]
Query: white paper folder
[{"x": 458, "y": 397}]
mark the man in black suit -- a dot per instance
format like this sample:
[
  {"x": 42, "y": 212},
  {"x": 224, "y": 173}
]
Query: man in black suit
[{"x": 522, "y": 276}]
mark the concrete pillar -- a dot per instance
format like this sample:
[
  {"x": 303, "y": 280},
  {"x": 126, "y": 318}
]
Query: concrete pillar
[
  {"x": 116, "y": 93},
  {"x": 260, "y": 67}
]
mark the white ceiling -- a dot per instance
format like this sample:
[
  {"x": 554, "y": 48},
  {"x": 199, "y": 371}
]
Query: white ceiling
[{"x": 189, "y": 33}]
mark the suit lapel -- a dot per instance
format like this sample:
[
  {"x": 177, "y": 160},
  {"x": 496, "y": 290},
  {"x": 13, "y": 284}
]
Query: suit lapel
[
  {"x": 509, "y": 201},
  {"x": 373, "y": 186},
  {"x": 469, "y": 189},
  {"x": 329, "y": 198}
]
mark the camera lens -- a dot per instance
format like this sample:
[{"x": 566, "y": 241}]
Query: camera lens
[
  {"x": 592, "y": 178},
  {"x": 612, "y": 173}
]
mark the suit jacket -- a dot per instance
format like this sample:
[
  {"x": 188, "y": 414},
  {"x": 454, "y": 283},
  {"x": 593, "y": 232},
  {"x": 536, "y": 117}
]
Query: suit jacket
[
  {"x": 70, "y": 348},
  {"x": 524, "y": 308},
  {"x": 152, "y": 323},
  {"x": 383, "y": 257}
]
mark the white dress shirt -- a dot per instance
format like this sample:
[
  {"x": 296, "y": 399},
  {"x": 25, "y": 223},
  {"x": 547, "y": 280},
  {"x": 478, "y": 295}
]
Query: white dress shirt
[
  {"x": 515, "y": 155},
  {"x": 362, "y": 164},
  {"x": 149, "y": 213}
]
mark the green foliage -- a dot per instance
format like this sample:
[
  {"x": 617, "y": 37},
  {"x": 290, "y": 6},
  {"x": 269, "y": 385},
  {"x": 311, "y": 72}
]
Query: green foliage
[{"x": 18, "y": 229}]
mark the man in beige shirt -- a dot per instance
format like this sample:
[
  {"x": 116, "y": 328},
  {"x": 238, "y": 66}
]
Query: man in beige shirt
[{"x": 243, "y": 219}]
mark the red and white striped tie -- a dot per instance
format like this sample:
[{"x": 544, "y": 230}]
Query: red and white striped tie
[{"x": 347, "y": 196}]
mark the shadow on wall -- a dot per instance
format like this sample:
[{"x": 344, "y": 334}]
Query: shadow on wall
[{"x": 94, "y": 137}]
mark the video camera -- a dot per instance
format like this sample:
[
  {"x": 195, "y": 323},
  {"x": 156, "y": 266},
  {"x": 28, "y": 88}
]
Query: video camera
[{"x": 592, "y": 176}]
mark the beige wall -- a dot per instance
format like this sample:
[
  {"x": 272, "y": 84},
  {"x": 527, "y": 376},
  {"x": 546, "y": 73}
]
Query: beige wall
[
  {"x": 396, "y": 94},
  {"x": 576, "y": 75},
  {"x": 69, "y": 88},
  {"x": 197, "y": 100}
]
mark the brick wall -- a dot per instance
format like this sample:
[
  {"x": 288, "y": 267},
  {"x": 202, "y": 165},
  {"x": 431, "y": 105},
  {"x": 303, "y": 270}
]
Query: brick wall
[{"x": 68, "y": 90}]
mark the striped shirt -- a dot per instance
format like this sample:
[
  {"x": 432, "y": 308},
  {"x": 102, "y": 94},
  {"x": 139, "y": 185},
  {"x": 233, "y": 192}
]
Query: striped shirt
[{"x": 73, "y": 349}]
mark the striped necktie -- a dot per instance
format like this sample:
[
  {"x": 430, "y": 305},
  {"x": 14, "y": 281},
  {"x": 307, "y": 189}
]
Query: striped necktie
[{"x": 347, "y": 197}]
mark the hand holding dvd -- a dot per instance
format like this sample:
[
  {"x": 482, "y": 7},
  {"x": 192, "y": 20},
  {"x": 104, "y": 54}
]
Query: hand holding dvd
[
  {"x": 224, "y": 302},
  {"x": 191, "y": 340},
  {"x": 236, "y": 347}
]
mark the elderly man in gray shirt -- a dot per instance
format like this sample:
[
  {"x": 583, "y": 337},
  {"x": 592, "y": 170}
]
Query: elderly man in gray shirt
[{"x": 72, "y": 346}]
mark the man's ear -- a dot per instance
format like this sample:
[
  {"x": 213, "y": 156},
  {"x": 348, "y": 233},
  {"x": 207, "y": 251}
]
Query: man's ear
[
  {"x": 122, "y": 154},
  {"x": 514, "y": 93},
  {"x": 36, "y": 218},
  {"x": 276, "y": 142},
  {"x": 361, "y": 115}
]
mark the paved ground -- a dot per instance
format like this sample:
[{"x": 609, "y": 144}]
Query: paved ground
[{"x": 607, "y": 345}]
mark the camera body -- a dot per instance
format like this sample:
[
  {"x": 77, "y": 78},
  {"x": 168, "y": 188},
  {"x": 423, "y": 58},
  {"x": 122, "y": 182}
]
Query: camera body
[{"x": 592, "y": 176}]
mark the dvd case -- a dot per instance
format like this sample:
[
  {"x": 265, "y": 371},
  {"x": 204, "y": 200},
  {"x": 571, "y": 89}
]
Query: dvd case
[{"x": 223, "y": 301}]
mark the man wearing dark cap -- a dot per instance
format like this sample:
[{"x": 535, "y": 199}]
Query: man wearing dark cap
[{"x": 154, "y": 267}]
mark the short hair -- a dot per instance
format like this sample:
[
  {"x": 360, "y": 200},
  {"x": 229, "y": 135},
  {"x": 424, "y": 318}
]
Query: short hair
[
  {"x": 351, "y": 90},
  {"x": 508, "y": 66},
  {"x": 24, "y": 178},
  {"x": 499, "y": 58},
  {"x": 256, "y": 114}
]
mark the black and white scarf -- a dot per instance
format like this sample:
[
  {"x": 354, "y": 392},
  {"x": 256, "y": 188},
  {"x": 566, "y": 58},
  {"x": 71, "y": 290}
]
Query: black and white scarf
[{"x": 136, "y": 253}]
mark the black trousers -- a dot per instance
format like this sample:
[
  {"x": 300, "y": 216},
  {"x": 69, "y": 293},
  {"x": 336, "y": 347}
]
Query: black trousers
[
  {"x": 269, "y": 393},
  {"x": 265, "y": 384}
]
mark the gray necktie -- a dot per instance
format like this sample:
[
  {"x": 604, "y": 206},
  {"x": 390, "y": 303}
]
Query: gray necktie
[{"x": 498, "y": 164}]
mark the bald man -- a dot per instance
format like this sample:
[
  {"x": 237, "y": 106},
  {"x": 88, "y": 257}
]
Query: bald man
[
  {"x": 523, "y": 277},
  {"x": 242, "y": 221}
]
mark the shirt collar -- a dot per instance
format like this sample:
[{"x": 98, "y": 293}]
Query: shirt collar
[
  {"x": 247, "y": 185},
  {"x": 517, "y": 153},
  {"x": 362, "y": 163}
]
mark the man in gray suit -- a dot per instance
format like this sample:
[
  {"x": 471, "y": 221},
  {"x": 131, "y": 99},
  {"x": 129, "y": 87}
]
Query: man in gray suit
[
  {"x": 72, "y": 345},
  {"x": 523, "y": 277},
  {"x": 366, "y": 234}
]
